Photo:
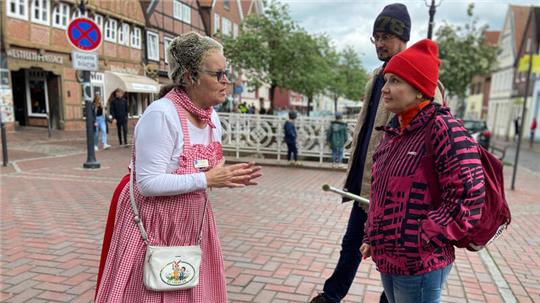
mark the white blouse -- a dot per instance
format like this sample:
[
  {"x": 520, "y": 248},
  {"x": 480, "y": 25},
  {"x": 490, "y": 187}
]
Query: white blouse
[{"x": 159, "y": 143}]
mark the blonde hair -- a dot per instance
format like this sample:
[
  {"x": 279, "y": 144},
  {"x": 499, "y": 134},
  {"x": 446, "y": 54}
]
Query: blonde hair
[{"x": 97, "y": 101}]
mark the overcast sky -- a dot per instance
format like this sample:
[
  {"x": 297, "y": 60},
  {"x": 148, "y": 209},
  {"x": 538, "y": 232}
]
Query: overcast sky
[{"x": 350, "y": 22}]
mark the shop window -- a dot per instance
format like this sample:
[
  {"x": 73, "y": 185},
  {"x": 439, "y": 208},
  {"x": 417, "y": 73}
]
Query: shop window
[
  {"x": 98, "y": 19},
  {"x": 77, "y": 14},
  {"x": 123, "y": 34},
  {"x": 61, "y": 16},
  {"x": 133, "y": 105},
  {"x": 227, "y": 27},
  {"x": 216, "y": 23},
  {"x": 152, "y": 40},
  {"x": 17, "y": 9},
  {"x": 41, "y": 11},
  {"x": 181, "y": 11},
  {"x": 136, "y": 37},
  {"x": 166, "y": 43},
  {"x": 110, "y": 30},
  {"x": 4, "y": 78},
  {"x": 37, "y": 93}
]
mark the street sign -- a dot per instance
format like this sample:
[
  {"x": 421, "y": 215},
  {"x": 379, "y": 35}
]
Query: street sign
[
  {"x": 84, "y": 34},
  {"x": 85, "y": 61}
]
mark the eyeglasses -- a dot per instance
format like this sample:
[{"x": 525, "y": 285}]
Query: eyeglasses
[
  {"x": 384, "y": 38},
  {"x": 218, "y": 74}
]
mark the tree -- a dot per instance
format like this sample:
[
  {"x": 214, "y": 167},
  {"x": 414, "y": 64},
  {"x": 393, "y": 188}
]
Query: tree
[
  {"x": 264, "y": 48},
  {"x": 464, "y": 54},
  {"x": 310, "y": 71},
  {"x": 348, "y": 77}
]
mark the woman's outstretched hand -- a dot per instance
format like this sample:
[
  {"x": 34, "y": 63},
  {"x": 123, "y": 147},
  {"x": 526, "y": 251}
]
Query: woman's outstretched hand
[{"x": 237, "y": 175}]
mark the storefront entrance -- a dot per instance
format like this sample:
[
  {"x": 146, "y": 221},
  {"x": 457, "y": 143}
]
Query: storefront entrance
[{"x": 36, "y": 98}]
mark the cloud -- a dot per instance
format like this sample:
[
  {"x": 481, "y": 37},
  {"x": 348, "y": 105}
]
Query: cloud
[{"x": 349, "y": 22}]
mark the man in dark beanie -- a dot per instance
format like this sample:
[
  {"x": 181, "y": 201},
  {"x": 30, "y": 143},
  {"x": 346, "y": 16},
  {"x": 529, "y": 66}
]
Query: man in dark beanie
[{"x": 391, "y": 32}]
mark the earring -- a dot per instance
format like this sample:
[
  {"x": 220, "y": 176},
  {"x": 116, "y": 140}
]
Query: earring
[{"x": 419, "y": 96}]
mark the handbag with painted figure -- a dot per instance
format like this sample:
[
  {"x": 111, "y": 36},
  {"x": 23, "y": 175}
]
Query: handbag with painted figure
[{"x": 168, "y": 268}]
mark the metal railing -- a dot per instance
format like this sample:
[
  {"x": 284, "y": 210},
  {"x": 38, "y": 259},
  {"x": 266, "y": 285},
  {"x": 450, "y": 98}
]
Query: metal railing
[{"x": 262, "y": 136}]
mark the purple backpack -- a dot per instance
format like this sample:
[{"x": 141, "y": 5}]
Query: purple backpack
[{"x": 495, "y": 212}]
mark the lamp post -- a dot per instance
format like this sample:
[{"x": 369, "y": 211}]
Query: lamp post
[{"x": 432, "y": 10}]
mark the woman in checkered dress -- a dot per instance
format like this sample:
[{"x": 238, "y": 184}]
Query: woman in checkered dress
[{"x": 176, "y": 157}]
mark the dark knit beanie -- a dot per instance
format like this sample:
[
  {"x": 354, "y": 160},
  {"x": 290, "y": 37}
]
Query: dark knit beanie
[
  {"x": 418, "y": 65},
  {"x": 394, "y": 19}
]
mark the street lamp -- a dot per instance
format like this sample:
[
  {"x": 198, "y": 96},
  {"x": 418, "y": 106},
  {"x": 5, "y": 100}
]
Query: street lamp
[{"x": 432, "y": 9}]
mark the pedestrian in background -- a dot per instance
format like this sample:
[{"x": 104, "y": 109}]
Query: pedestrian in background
[
  {"x": 516, "y": 129},
  {"x": 177, "y": 157},
  {"x": 100, "y": 124},
  {"x": 534, "y": 124},
  {"x": 336, "y": 137},
  {"x": 410, "y": 240},
  {"x": 289, "y": 130},
  {"x": 119, "y": 111}
]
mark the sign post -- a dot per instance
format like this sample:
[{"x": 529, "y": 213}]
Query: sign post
[{"x": 85, "y": 36}]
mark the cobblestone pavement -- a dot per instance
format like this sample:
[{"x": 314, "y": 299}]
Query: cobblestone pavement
[{"x": 280, "y": 239}]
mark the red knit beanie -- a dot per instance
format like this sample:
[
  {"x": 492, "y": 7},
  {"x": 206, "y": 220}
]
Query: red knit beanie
[{"x": 418, "y": 65}]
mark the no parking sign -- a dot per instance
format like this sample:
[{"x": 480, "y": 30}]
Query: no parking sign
[{"x": 84, "y": 34}]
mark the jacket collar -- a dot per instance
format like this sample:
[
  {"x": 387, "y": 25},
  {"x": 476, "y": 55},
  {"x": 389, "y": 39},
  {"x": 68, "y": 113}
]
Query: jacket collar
[{"x": 420, "y": 121}]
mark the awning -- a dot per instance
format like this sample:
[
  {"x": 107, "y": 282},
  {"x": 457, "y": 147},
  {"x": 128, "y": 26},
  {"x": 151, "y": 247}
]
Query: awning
[{"x": 129, "y": 83}]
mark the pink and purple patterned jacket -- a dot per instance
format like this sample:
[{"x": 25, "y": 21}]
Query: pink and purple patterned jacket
[{"x": 407, "y": 235}]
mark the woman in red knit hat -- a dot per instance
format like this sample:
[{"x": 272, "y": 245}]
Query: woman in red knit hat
[{"x": 409, "y": 239}]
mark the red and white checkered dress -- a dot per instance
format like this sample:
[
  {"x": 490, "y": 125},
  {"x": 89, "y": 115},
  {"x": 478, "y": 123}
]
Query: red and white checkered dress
[{"x": 169, "y": 221}]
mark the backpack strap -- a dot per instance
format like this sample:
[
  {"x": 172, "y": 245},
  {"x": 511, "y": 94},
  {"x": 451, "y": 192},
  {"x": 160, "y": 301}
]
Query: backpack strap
[{"x": 429, "y": 165}]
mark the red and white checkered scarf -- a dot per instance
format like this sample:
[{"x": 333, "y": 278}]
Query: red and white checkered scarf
[{"x": 202, "y": 114}]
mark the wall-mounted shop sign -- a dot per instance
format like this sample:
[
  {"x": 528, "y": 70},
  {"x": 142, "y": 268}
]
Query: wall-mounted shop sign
[{"x": 34, "y": 56}]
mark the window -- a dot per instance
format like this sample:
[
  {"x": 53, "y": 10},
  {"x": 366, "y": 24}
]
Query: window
[
  {"x": 61, "y": 15},
  {"x": 36, "y": 91},
  {"x": 227, "y": 4},
  {"x": 166, "y": 43},
  {"x": 99, "y": 21},
  {"x": 235, "y": 30},
  {"x": 40, "y": 11},
  {"x": 110, "y": 30},
  {"x": 182, "y": 11},
  {"x": 77, "y": 14},
  {"x": 152, "y": 45},
  {"x": 227, "y": 27},
  {"x": 136, "y": 37},
  {"x": 17, "y": 9},
  {"x": 123, "y": 34},
  {"x": 186, "y": 13},
  {"x": 216, "y": 23}
]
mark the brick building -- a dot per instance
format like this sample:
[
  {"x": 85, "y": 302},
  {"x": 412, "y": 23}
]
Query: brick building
[
  {"x": 39, "y": 85},
  {"x": 166, "y": 20}
]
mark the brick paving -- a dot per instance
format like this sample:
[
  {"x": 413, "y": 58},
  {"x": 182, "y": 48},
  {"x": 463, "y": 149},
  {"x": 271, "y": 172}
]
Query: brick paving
[{"x": 280, "y": 239}]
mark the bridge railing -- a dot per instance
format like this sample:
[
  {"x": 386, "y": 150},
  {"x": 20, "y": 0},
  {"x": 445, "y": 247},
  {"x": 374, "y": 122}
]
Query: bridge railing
[{"x": 262, "y": 135}]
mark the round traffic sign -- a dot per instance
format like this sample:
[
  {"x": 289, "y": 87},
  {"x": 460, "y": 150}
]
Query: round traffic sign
[{"x": 84, "y": 34}]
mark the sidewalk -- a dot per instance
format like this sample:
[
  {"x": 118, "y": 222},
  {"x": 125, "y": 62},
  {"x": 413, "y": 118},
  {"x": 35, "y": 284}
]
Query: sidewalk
[
  {"x": 280, "y": 239},
  {"x": 529, "y": 158}
]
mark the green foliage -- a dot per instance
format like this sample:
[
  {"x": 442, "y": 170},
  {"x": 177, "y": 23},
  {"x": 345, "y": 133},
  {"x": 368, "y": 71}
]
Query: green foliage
[
  {"x": 264, "y": 48},
  {"x": 349, "y": 78},
  {"x": 464, "y": 54},
  {"x": 273, "y": 49}
]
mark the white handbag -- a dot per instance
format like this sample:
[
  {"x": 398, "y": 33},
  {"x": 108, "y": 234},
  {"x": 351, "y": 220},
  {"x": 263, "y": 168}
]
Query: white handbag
[{"x": 168, "y": 268}]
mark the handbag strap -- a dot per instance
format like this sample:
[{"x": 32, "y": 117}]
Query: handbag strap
[{"x": 137, "y": 217}]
